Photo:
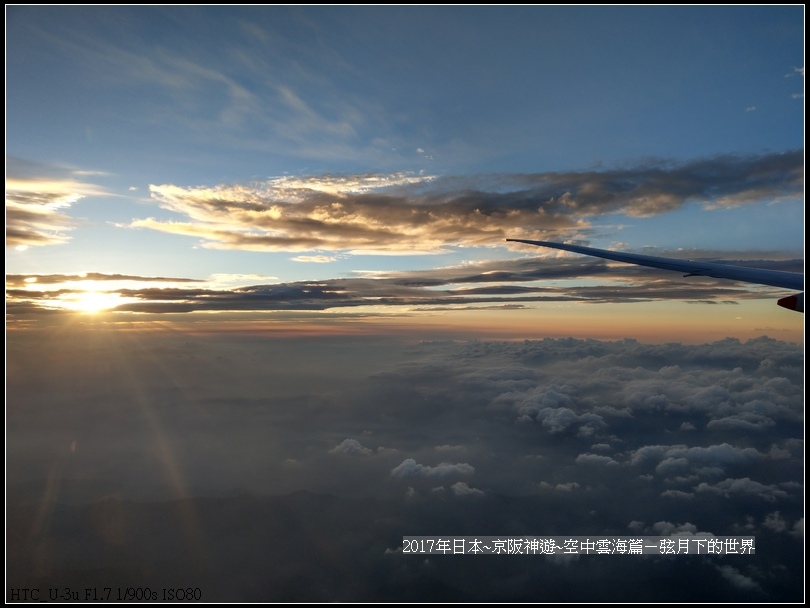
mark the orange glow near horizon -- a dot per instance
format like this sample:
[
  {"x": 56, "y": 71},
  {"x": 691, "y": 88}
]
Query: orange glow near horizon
[{"x": 648, "y": 322}]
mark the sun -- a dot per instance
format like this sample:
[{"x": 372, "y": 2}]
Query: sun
[{"x": 91, "y": 301}]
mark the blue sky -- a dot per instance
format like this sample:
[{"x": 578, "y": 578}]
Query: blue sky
[{"x": 128, "y": 126}]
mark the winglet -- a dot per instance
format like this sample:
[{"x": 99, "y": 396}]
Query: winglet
[
  {"x": 759, "y": 276},
  {"x": 795, "y": 302}
]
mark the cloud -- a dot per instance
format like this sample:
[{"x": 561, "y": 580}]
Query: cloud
[
  {"x": 596, "y": 460},
  {"x": 352, "y": 447},
  {"x": 460, "y": 488},
  {"x": 737, "y": 579},
  {"x": 504, "y": 283},
  {"x": 413, "y": 213},
  {"x": 420, "y": 290},
  {"x": 636, "y": 526},
  {"x": 36, "y": 200},
  {"x": 665, "y": 528},
  {"x": 745, "y": 421},
  {"x": 314, "y": 259},
  {"x": 410, "y": 468},
  {"x": 775, "y": 522},
  {"x": 560, "y": 487},
  {"x": 745, "y": 486},
  {"x": 563, "y": 419},
  {"x": 259, "y": 428},
  {"x": 677, "y": 494},
  {"x": 680, "y": 459},
  {"x": 23, "y": 280}
]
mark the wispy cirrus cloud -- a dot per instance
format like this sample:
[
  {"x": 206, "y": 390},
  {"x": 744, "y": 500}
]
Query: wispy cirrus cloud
[
  {"x": 231, "y": 93},
  {"x": 403, "y": 213}
]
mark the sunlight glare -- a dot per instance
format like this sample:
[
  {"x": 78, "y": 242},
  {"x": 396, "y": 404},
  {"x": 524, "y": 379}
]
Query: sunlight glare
[{"x": 91, "y": 302}]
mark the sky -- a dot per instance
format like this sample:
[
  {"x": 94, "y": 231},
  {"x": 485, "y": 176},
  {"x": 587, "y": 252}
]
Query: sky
[{"x": 256, "y": 263}]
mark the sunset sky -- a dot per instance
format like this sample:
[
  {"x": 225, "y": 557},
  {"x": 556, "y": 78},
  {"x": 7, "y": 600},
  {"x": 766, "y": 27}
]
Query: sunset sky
[
  {"x": 277, "y": 235},
  {"x": 210, "y": 155}
]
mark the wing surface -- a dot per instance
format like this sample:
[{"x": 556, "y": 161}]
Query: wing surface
[{"x": 759, "y": 276}]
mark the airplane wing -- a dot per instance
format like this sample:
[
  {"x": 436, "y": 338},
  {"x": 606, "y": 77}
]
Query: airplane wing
[{"x": 759, "y": 276}]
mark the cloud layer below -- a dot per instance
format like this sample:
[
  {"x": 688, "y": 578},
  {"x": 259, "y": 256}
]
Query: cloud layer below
[{"x": 387, "y": 438}]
